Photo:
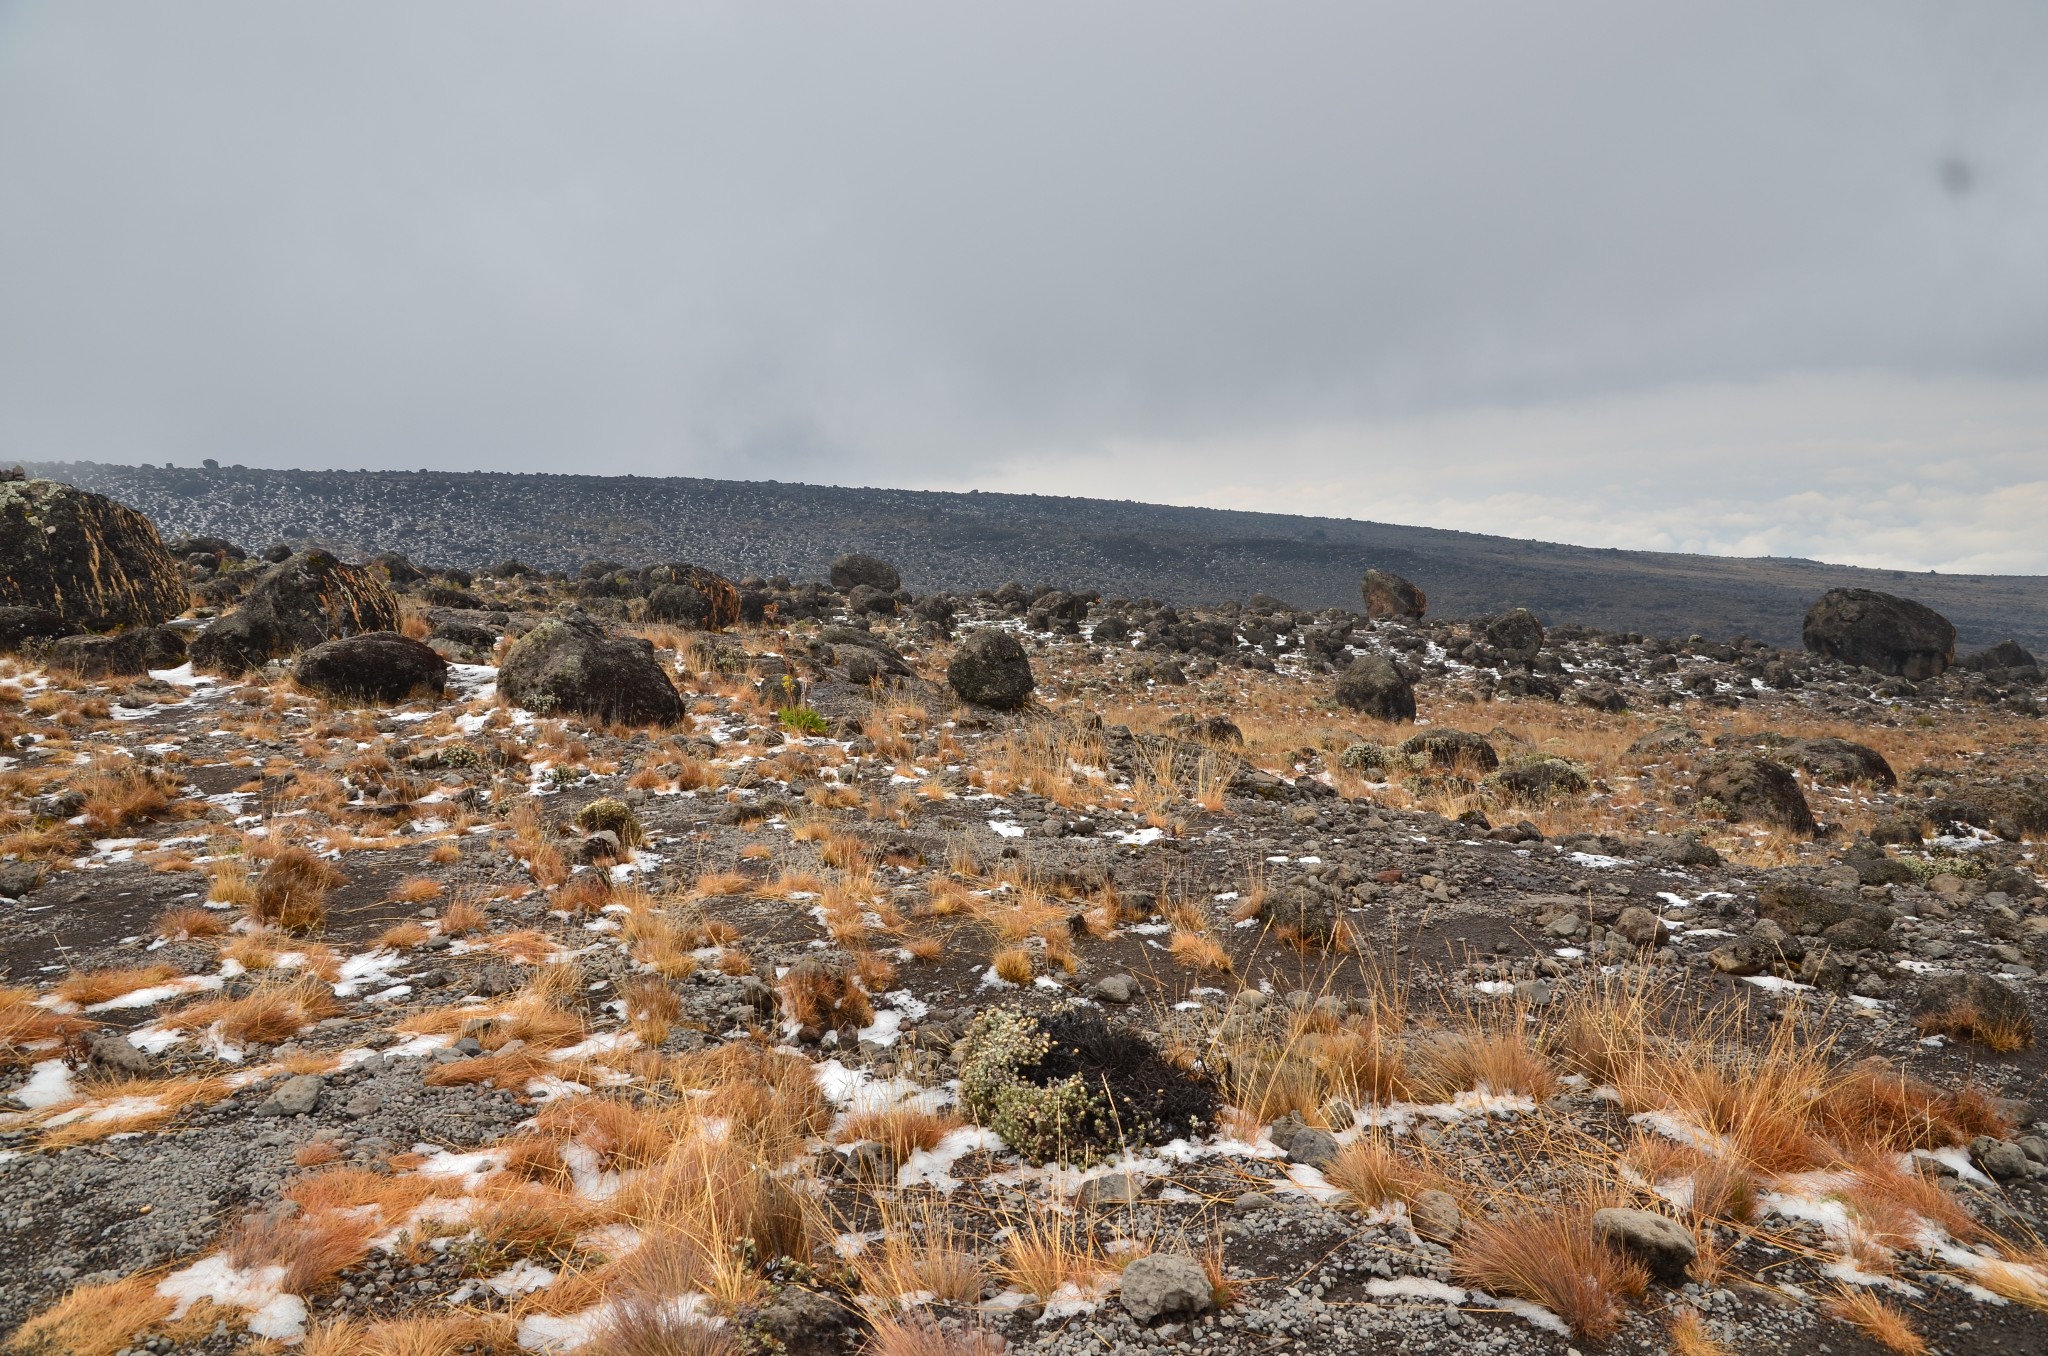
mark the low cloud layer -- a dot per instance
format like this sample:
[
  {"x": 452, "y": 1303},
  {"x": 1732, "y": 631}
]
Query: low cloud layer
[{"x": 1753, "y": 279}]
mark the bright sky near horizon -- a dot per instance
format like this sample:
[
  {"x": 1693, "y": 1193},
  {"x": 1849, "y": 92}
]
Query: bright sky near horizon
[{"x": 1741, "y": 278}]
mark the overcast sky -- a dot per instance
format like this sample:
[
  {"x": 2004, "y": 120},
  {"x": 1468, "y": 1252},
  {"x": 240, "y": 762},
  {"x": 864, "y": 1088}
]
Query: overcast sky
[{"x": 1755, "y": 279}]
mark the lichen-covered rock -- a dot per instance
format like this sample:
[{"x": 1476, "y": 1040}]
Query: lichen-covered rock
[
  {"x": 855, "y": 569},
  {"x": 294, "y": 605},
  {"x": 1749, "y": 787},
  {"x": 991, "y": 669},
  {"x": 1374, "y": 687},
  {"x": 20, "y": 626},
  {"x": 1880, "y": 631},
  {"x": 569, "y": 663},
  {"x": 690, "y": 595},
  {"x": 93, "y": 562},
  {"x": 1539, "y": 780},
  {"x": 1459, "y": 749},
  {"x": 124, "y": 653},
  {"x": 1842, "y": 761},
  {"x": 1165, "y": 1285},
  {"x": 1389, "y": 595},
  {"x": 1516, "y": 634},
  {"x": 379, "y": 666}
]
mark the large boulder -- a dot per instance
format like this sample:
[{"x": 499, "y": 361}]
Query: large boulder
[
  {"x": 1373, "y": 686},
  {"x": 1389, "y": 595},
  {"x": 1879, "y": 631},
  {"x": 569, "y": 664},
  {"x": 1166, "y": 1285},
  {"x": 854, "y": 569},
  {"x": 93, "y": 563},
  {"x": 297, "y": 603},
  {"x": 20, "y": 626},
  {"x": 378, "y": 666},
  {"x": 1752, "y": 788},
  {"x": 1447, "y": 748},
  {"x": 991, "y": 669},
  {"x": 1516, "y": 634},
  {"x": 690, "y": 595},
  {"x": 124, "y": 653}
]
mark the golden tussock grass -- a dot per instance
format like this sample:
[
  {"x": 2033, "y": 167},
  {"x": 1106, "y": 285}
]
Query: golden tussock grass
[
  {"x": 1012, "y": 964},
  {"x": 93, "y": 1320},
  {"x": 586, "y": 892},
  {"x": 231, "y": 883},
  {"x": 403, "y": 936},
  {"x": 922, "y": 1249},
  {"x": 1502, "y": 1060},
  {"x": 904, "y": 1129},
  {"x": 292, "y": 890},
  {"x": 824, "y": 996},
  {"x": 418, "y": 890},
  {"x": 1045, "y": 1250},
  {"x": 719, "y": 884},
  {"x": 1371, "y": 1172},
  {"x": 1554, "y": 1260},
  {"x": 463, "y": 918},
  {"x": 445, "y": 854},
  {"x": 185, "y": 924},
  {"x": 127, "y": 1105},
  {"x": 1200, "y": 952},
  {"x": 311, "y": 1247},
  {"x": 274, "y": 1012},
  {"x": 1966, "y": 1022},
  {"x": 1880, "y": 1322},
  {"x": 479, "y": 1334},
  {"x": 119, "y": 796},
  {"x": 652, "y": 1007},
  {"x": 1689, "y": 1336},
  {"x": 99, "y": 986},
  {"x": 918, "y": 1336}
]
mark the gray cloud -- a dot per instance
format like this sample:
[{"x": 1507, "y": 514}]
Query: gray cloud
[{"x": 1753, "y": 277}]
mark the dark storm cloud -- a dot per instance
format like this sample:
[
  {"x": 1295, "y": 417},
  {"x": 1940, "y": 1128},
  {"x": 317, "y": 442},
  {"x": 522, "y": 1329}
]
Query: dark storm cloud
[{"x": 1138, "y": 248}]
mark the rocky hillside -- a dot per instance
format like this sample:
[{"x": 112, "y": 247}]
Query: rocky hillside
[{"x": 970, "y": 541}]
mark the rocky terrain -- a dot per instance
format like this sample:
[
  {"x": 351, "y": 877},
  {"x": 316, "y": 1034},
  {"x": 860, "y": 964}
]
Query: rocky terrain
[
  {"x": 963, "y": 542},
  {"x": 667, "y": 961}
]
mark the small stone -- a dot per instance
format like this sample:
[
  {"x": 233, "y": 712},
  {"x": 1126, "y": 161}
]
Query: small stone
[
  {"x": 1316, "y": 1148},
  {"x": 1662, "y": 1243},
  {"x": 1435, "y": 1216},
  {"x": 2000, "y": 1159},
  {"x": 296, "y": 1096},
  {"x": 1116, "y": 1188},
  {"x": 1164, "y": 1284},
  {"x": 1116, "y": 988}
]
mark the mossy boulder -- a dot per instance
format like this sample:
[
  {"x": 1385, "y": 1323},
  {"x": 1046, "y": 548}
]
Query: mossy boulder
[
  {"x": 571, "y": 665},
  {"x": 90, "y": 561}
]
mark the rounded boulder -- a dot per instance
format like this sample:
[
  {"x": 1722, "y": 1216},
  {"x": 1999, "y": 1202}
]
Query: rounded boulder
[
  {"x": 991, "y": 669},
  {"x": 569, "y": 663},
  {"x": 855, "y": 569},
  {"x": 379, "y": 666},
  {"x": 1373, "y": 686},
  {"x": 1389, "y": 595}
]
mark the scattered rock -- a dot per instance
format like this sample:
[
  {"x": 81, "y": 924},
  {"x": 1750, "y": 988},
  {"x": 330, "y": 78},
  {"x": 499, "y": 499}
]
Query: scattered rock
[
  {"x": 294, "y": 605},
  {"x": 854, "y": 569},
  {"x": 1316, "y": 1148},
  {"x": 1116, "y": 988},
  {"x": 1517, "y": 635},
  {"x": 296, "y": 1096},
  {"x": 1435, "y": 1216},
  {"x": 1749, "y": 787}
]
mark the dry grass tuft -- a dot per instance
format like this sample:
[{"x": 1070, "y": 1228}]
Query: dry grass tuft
[
  {"x": 1689, "y": 1336},
  {"x": 418, "y": 890},
  {"x": 918, "y": 1336},
  {"x": 478, "y": 1334},
  {"x": 651, "y": 1008},
  {"x": 1200, "y": 952},
  {"x": 100, "y": 986},
  {"x": 1966, "y": 1022},
  {"x": 463, "y": 918},
  {"x": 25, "y": 1023},
  {"x": 274, "y": 1013},
  {"x": 1371, "y": 1173},
  {"x": 1045, "y": 1251},
  {"x": 292, "y": 891},
  {"x": 903, "y": 1129},
  {"x": 1878, "y": 1321},
  {"x": 312, "y": 1248},
  {"x": 1012, "y": 964},
  {"x": 181, "y": 925},
  {"x": 1553, "y": 1260},
  {"x": 825, "y": 997},
  {"x": 93, "y": 1320}
]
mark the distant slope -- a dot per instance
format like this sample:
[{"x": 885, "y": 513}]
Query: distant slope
[{"x": 968, "y": 541}]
